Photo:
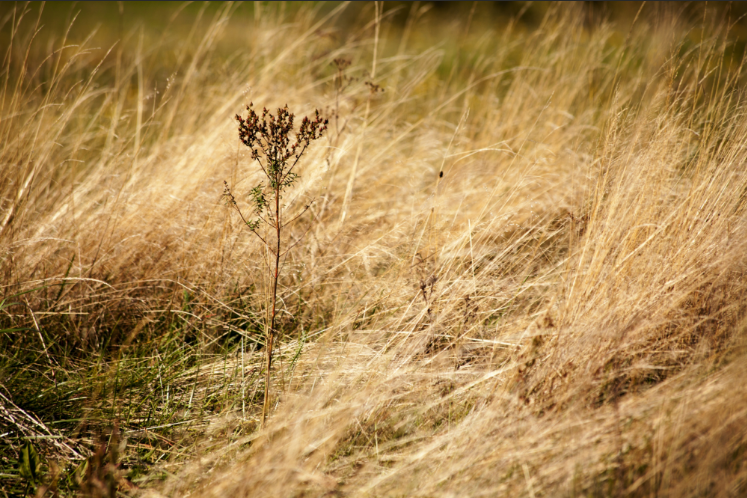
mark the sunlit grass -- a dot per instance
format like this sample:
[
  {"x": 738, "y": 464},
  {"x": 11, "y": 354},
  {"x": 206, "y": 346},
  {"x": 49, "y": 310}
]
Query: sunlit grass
[{"x": 522, "y": 272}]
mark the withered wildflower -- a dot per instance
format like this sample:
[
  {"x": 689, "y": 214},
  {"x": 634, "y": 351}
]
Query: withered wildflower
[{"x": 272, "y": 144}]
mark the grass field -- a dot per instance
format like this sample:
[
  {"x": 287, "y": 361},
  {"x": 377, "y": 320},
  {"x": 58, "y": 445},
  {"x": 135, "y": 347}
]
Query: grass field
[{"x": 523, "y": 271}]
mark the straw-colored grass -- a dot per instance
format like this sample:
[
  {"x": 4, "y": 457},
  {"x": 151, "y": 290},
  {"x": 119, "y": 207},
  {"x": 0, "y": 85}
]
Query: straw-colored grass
[{"x": 523, "y": 273}]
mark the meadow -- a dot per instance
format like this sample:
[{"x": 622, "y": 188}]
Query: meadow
[{"x": 522, "y": 271}]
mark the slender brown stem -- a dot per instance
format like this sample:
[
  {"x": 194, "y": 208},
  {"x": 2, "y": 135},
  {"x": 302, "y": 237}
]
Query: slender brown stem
[
  {"x": 271, "y": 332},
  {"x": 268, "y": 365}
]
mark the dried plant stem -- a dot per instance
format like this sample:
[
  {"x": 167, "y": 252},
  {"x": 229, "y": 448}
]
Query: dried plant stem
[{"x": 271, "y": 332}]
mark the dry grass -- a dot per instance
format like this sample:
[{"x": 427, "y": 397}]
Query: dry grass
[{"x": 524, "y": 273}]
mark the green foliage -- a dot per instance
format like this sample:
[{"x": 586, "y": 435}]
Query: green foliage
[{"x": 30, "y": 465}]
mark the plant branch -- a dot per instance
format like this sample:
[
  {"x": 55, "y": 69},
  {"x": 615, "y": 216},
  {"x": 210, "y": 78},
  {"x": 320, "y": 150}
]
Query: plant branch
[{"x": 299, "y": 214}]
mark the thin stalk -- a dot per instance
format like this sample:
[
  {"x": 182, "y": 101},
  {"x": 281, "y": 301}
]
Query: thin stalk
[{"x": 271, "y": 332}]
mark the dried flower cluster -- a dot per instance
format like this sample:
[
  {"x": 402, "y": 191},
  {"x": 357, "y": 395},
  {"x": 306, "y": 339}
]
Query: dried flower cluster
[{"x": 270, "y": 136}]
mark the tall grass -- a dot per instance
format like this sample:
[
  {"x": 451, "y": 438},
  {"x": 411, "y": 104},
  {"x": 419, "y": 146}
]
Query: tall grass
[{"x": 524, "y": 273}]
